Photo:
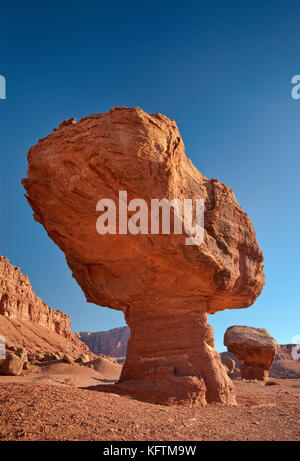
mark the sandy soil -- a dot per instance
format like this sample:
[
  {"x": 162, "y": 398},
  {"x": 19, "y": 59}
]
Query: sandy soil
[
  {"x": 99, "y": 371},
  {"x": 62, "y": 402}
]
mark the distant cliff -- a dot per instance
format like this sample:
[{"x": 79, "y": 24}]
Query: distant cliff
[
  {"x": 25, "y": 320},
  {"x": 111, "y": 342},
  {"x": 18, "y": 301}
]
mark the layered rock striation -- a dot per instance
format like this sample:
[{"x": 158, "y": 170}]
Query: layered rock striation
[
  {"x": 18, "y": 301},
  {"x": 25, "y": 320}
]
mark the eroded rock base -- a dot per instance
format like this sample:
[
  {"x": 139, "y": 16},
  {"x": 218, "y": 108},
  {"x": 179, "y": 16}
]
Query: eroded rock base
[
  {"x": 168, "y": 389},
  {"x": 171, "y": 358}
]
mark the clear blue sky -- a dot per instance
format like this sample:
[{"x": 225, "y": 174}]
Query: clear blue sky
[{"x": 221, "y": 69}]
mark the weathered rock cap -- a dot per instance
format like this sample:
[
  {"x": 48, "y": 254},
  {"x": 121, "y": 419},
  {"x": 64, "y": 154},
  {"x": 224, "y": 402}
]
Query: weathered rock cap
[
  {"x": 127, "y": 149},
  {"x": 254, "y": 346}
]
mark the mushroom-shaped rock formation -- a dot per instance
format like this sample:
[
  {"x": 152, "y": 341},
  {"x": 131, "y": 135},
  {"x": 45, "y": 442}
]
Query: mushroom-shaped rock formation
[
  {"x": 165, "y": 287},
  {"x": 255, "y": 347}
]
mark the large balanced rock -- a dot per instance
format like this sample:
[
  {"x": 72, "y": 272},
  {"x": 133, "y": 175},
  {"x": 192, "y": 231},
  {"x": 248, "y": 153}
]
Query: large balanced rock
[
  {"x": 165, "y": 287},
  {"x": 255, "y": 347}
]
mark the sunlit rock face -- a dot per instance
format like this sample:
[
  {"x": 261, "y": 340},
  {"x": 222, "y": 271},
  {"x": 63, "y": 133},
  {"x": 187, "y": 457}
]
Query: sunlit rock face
[
  {"x": 18, "y": 301},
  {"x": 165, "y": 287}
]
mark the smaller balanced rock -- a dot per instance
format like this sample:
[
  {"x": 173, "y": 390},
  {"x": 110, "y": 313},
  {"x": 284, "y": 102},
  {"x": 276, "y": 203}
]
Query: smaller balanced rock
[{"x": 255, "y": 347}]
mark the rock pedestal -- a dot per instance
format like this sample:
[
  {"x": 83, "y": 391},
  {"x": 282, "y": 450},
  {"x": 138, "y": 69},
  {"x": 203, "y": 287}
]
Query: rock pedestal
[{"x": 171, "y": 356}]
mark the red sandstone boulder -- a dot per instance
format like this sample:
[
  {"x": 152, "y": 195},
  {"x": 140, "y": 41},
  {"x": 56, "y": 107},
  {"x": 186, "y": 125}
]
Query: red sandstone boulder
[
  {"x": 255, "y": 347},
  {"x": 12, "y": 365},
  {"x": 165, "y": 288}
]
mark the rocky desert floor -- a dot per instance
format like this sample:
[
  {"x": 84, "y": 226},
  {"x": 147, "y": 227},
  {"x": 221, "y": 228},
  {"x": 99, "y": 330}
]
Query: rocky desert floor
[{"x": 58, "y": 401}]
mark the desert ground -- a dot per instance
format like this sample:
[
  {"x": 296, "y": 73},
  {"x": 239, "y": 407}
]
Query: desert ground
[{"x": 59, "y": 401}]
